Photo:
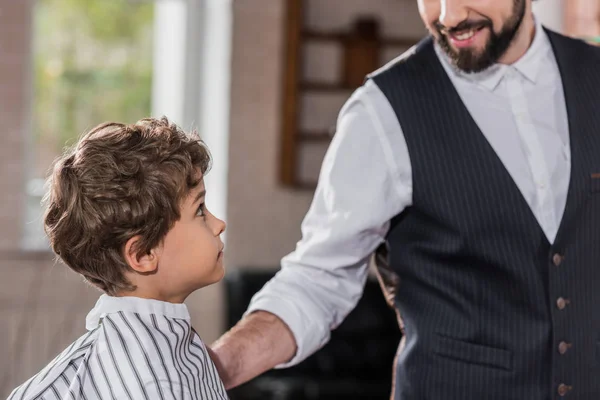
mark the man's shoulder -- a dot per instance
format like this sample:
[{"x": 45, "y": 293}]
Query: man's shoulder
[
  {"x": 414, "y": 55},
  {"x": 575, "y": 44}
]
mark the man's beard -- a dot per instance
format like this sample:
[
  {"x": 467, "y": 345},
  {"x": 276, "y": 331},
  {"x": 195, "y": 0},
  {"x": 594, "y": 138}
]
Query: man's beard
[{"x": 474, "y": 60}]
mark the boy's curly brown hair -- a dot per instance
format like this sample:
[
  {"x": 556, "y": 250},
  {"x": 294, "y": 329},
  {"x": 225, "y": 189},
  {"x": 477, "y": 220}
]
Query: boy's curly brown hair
[{"x": 117, "y": 182}]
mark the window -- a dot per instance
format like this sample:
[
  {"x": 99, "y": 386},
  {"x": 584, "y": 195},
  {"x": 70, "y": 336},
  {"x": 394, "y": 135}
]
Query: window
[
  {"x": 92, "y": 61},
  {"x": 98, "y": 60}
]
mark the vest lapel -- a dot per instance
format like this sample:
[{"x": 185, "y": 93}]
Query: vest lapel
[
  {"x": 580, "y": 79},
  {"x": 458, "y": 111}
]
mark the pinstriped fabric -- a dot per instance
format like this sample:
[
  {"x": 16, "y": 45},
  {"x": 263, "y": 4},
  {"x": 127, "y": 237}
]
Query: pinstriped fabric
[
  {"x": 577, "y": 278},
  {"x": 130, "y": 356},
  {"x": 478, "y": 288}
]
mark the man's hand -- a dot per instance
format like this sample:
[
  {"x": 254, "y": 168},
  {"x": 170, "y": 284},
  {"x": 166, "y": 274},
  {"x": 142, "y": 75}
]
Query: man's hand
[{"x": 256, "y": 344}]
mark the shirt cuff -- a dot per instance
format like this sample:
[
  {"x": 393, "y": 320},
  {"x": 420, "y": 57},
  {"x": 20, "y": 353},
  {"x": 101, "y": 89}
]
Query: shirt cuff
[{"x": 309, "y": 336}]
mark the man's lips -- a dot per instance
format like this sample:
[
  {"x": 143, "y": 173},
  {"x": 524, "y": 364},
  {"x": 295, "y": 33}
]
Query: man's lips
[{"x": 465, "y": 37}]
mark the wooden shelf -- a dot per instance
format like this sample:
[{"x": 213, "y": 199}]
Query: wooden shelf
[
  {"x": 358, "y": 48},
  {"x": 302, "y": 185},
  {"x": 340, "y": 37},
  {"x": 325, "y": 87},
  {"x": 400, "y": 42},
  {"x": 323, "y": 36}
]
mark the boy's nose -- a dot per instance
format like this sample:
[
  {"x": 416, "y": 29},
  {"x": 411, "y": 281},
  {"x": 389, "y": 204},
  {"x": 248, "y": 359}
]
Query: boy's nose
[{"x": 220, "y": 226}]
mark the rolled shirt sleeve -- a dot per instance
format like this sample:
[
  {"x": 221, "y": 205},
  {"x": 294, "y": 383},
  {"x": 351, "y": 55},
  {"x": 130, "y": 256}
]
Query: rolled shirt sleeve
[{"x": 361, "y": 188}]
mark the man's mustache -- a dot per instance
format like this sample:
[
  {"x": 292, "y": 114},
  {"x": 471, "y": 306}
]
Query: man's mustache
[{"x": 463, "y": 26}]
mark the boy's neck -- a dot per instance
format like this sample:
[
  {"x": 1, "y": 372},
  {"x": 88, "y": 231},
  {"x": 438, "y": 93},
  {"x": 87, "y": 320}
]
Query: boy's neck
[{"x": 144, "y": 294}]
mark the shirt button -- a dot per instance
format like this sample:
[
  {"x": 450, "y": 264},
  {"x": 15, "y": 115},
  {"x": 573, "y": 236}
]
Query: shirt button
[
  {"x": 563, "y": 389},
  {"x": 563, "y": 347},
  {"x": 557, "y": 259},
  {"x": 562, "y": 303}
]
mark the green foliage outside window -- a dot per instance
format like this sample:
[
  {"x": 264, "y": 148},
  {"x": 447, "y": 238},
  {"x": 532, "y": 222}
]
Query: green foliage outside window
[{"x": 92, "y": 62}]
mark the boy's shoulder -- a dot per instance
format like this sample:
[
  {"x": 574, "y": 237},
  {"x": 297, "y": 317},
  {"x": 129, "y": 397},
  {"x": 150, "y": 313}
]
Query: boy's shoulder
[
  {"x": 62, "y": 374},
  {"x": 129, "y": 355}
]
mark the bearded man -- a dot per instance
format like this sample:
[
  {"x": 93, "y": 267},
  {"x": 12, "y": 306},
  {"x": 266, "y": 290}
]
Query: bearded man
[{"x": 472, "y": 165}]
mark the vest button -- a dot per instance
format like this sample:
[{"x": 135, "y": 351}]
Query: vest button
[
  {"x": 563, "y": 389},
  {"x": 562, "y": 303},
  {"x": 563, "y": 347},
  {"x": 557, "y": 259}
]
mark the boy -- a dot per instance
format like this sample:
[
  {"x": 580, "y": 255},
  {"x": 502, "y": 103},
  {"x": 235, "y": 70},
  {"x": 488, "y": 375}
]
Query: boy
[{"x": 126, "y": 210}]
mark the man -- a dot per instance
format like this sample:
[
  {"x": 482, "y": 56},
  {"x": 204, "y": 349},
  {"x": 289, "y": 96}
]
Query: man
[{"x": 475, "y": 159}]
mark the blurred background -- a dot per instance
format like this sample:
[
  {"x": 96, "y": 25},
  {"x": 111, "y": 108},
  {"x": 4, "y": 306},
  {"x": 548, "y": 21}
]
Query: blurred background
[{"x": 262, "y": 81}]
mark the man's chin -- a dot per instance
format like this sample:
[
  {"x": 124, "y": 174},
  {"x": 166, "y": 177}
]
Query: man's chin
[
  {"x": 472, "y": 65},
  {"x": 470, "y": 60}
]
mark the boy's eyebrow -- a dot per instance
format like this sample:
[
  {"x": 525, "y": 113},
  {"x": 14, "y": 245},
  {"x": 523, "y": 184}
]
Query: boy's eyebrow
[{"x": 200, "y": 195}]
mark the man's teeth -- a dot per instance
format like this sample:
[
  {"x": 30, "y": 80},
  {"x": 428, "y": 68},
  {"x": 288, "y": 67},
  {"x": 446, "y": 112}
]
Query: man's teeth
[{"x": 467, "y": 35}]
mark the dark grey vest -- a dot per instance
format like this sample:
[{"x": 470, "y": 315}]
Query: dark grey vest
[{"x": 490, "y": 309}]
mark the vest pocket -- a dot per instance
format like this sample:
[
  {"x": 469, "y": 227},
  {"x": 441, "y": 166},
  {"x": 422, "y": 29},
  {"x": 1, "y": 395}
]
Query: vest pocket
[
  {"x": 468, "y": 371},
  {"x": 471, "y": 353}
]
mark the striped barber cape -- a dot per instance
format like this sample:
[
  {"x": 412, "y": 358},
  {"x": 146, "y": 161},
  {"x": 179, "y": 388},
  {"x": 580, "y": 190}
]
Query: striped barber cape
[{"x": 134, "y": 349}]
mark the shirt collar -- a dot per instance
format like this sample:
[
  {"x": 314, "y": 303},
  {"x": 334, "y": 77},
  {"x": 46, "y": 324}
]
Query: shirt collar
[
  {"x": 529, "y": 65},
  {"x": 110, "y": 305}
]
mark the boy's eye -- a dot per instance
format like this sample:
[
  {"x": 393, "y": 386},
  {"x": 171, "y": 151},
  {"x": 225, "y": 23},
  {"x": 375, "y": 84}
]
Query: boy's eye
[{"x": 200, "y": 211}]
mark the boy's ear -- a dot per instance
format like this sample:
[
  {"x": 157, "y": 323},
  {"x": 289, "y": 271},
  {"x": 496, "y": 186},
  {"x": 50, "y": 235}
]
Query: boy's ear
[{"x": 142, "y": 263}]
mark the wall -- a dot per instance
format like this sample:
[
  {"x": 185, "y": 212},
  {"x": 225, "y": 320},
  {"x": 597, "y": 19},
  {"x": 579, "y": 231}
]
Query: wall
[
  {"x": 263, "y": 218},
  {"x": 19, "y": 272},
  {"x": 551, "y": 13},
  {"x": 42, "y": 310},
  {"x": 582, "y": 18},
  {"x": 14, "y": 56}
]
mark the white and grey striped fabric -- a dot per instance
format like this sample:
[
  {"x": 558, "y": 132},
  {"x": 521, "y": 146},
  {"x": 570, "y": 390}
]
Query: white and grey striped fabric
[{"x": 135, "y": 349}]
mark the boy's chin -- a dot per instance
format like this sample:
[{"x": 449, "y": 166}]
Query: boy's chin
[
  {"x": 219, "y": 273},
  {"x": 216, "y": 276}
]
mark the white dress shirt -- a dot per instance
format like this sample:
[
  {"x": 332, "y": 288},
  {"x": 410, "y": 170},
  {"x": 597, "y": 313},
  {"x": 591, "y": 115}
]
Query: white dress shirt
[
  {"x": 366, "y": 180},
  {"x": 135, "y": 349}
]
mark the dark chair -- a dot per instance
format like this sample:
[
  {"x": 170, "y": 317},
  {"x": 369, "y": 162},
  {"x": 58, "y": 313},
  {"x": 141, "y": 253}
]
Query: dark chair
[{"x": 356, "y": 363}]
